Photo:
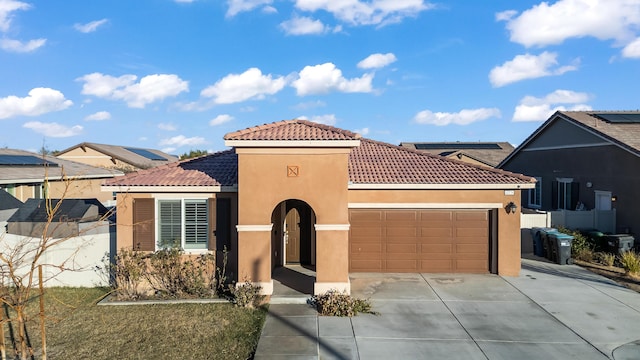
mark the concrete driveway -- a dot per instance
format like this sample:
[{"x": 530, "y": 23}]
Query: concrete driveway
[{"x": 549, "y": 312}]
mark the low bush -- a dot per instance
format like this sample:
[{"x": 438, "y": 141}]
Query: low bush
[
  {"x": 630, "y": 262},
  {"x": 581, "y": 248},
  {"x": 246, "y": 294},
  {"x": 605, "y": 258},
  {"x": 167, "y": 273},
  {"x": 335, "y": 303}
]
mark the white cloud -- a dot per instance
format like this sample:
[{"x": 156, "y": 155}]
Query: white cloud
[
  {"x": 464, "y": 117},
  {"x": 527, "y": 66},
  {"x": 364, "y": 131},
  {"x": 302, "y": 25},
  {"x": 310, "y": 105},
  {"x": 531, "y": 108},
  {"x": 632, "y": 50},
  {"x": 18, "y": 46},
  {"x": 238, "y": 6},
  {"x": 220, "y": 119},
  {"x": 167, "y": 127},
  {"x": 356, "y": 12},
  {"x": 376, "y": 61},
  {"x": 321, "y": 79},
  {"x": 181, "y": 140},
  {"x": 545, "y": 24},
  {"x": 91, "y": 26},
  {"x": 251, "y": 84},
  {"x": 53, "y": 129},
  {"x": 39, "y": 101},
  {"x": 99, "y": 116},
  {"x": 6, "y": 8},
  {"x": 328, "y": 119},
  {"x": 168, "y": 150},
  {"x": 149, "y": 89}
]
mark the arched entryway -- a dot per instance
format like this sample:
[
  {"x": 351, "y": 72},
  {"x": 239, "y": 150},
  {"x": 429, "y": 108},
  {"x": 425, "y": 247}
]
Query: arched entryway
[{"x": 293, "y": 247}]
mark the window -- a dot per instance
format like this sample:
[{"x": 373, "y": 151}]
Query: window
[
  {"x": 37, "y": 191},
  {"x": 565, "y": 194},
  {"x": 183, "y": 223},
  {"x": 535, "y": 194}
]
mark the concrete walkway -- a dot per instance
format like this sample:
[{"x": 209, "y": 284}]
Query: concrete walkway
[{"x": 549, "y": 312}]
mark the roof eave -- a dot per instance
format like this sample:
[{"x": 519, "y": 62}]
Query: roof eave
[
  {"x": 169, "y": 188},
  {"x": 496, "y": 186}
]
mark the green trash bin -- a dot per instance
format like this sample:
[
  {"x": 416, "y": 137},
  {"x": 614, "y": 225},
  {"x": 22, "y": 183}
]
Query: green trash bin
[
  {"x": 597, "y": 239},
  {"x": 547, "y": 248}
]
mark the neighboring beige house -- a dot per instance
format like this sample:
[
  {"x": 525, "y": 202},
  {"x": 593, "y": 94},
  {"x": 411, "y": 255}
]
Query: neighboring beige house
[
  {"x": 124, "y": 158},
  {"x": 26, "y": 175},
  {"x": 477, "y": 153},
  {"x": 298, "y": 192}
]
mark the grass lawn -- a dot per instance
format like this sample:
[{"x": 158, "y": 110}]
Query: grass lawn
[{"x": 79, "y": 329}]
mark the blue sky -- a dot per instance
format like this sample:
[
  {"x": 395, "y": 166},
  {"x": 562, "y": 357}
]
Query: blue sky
[{"x": 179, "y": 74}]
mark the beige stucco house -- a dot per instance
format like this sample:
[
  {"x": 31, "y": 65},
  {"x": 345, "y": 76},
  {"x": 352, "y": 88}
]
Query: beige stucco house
[
  {"x": 26, "y": 175},
  {"x": 125, "y": 158},
  {"x": 300, "y": 192}
]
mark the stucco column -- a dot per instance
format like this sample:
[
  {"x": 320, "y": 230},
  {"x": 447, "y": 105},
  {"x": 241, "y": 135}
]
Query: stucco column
[
  {"x": 254, "y": 259},
  {"x": 332, "y": 258},
  {"x": 509, "y": 253}
]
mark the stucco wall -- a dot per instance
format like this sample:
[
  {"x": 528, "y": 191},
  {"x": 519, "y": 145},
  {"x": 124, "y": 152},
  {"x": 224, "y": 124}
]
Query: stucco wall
[{"x": 265, "y": 180}]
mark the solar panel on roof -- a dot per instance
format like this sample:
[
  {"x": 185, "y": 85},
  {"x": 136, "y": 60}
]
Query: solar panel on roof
[
  {"x": 619, "y": 118},
  {"x": 24, "y": 160},
  {"x": 458, "y": 146},
  {"x": 146, "y": 153}
]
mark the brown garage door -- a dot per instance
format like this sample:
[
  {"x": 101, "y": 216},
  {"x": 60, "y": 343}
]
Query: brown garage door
[{"x": 419, "y": 241}]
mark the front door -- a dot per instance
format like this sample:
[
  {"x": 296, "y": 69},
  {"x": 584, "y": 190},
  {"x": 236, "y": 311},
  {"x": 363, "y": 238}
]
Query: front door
[{"x": 292, "y": 236}]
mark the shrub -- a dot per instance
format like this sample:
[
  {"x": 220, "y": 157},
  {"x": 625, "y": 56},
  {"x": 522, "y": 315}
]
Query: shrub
[
  {"x": 605, "y": 258},
  {"x": 335, "y": 303},
  {"x": 167, "y": 273},
  {"x": 128, "y": 273},
  {"x": 581, "y": 248},
  {"x": 172, "y": 275},
  {"x": 246, "y": 295},
  {"x": 630, "y": 262}
]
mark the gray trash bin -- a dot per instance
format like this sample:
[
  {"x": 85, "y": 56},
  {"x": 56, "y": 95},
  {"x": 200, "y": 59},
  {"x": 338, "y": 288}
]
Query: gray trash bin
[
  {"x": 619, "y": 243},
  {"x": 561, "y": 248},
  {"x": 547, "y": 249}
]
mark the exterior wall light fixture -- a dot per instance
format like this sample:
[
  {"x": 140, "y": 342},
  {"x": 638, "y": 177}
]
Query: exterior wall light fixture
[
  {"x": 511, "y": 208},
  {"x": 614, "y": 198}
]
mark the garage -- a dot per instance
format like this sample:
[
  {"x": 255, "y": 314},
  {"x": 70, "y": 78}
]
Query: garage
[{"x": 414, "y": 240}]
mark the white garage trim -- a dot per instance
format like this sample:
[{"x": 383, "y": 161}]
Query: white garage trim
[
  {"x": 425, "y": 205},
  {"x": 332, "y": 227}
]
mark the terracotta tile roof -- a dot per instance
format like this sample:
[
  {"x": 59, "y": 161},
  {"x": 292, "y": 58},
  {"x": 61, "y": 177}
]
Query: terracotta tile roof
[
  {"x": 292, "y": 130},
  {"x": 380, "y": 163},
  {"x": 370, "y": 163},
  {"x": 218, "y": 169},
  {"x": 625, "y": 134}
]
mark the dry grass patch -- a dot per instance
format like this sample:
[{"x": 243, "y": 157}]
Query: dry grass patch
[{"x": 79, "y": 329}]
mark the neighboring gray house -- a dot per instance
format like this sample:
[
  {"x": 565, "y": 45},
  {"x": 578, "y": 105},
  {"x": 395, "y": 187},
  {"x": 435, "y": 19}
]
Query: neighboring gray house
[
  {"x": 584, "y": 159},
  {"x": 477, "y": 153},
  {"x": 8, "y": 205},
  {"x": 72, "y": 218}
]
